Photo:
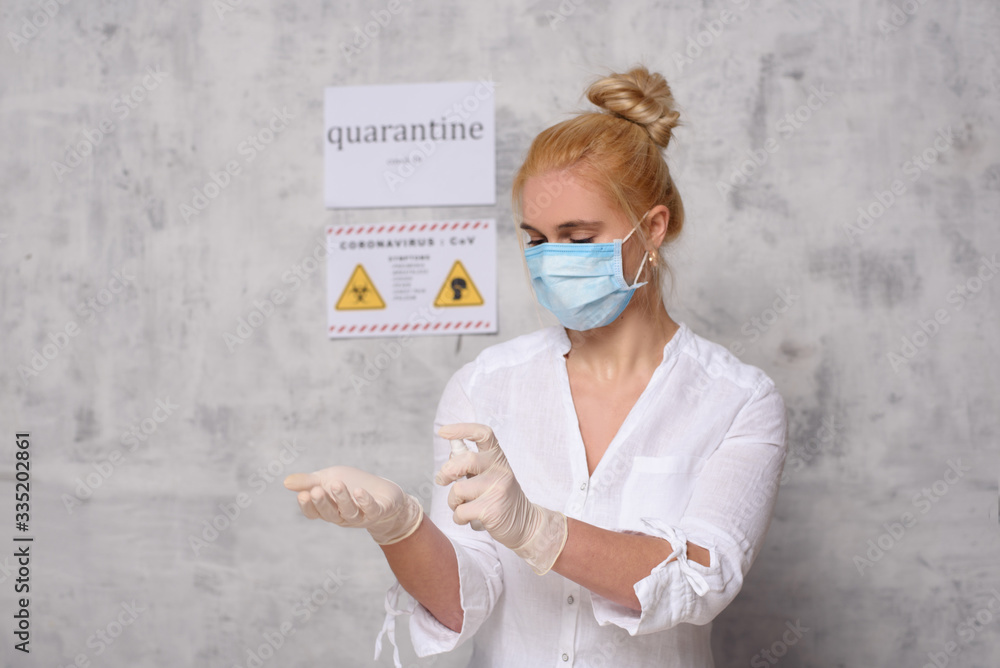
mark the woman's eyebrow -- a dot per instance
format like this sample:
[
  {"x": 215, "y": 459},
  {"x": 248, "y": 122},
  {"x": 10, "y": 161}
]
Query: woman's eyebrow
[
  {"x": 578, "y": 223},
  {"x": 569, "y": 224}
]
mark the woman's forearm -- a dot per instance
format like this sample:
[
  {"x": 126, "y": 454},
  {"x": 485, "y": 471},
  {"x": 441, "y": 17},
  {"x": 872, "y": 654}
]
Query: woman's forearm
[
  {"x": 609, "y": 563},
  {"x": 426, "y": 567}
]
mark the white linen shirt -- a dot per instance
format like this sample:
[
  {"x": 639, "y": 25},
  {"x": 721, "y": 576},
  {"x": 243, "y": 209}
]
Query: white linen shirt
[{"x": 698, "y": 458}]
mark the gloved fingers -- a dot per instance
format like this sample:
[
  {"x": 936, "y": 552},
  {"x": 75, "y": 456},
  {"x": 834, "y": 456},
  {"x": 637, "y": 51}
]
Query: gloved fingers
[
  {"x": 346, "y": 504},
  {"x": 302, "y": 482},
  {"x": 467, "y": 512},
  {"x": 480, "y": 433},
  {"x": 369, "y": 505},
  {"x": 306, "y": 505},
  {"x": 326, "y": 507},
  {"x": 458, "y": 466},
  {"x": 465, "y": 491}
]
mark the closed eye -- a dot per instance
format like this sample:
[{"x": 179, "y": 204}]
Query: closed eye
[{"x": 536, "y": 242}]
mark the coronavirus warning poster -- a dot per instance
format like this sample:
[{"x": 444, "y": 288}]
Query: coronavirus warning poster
[{"x": 396, "y": 279}]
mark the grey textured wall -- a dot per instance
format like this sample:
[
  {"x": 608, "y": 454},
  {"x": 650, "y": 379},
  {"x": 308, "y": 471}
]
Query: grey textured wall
[{"x": 840, "y": 112}]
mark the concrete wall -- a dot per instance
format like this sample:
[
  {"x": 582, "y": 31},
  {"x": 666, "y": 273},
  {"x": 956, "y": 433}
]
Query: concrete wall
[{"x": 872, "y": 436}]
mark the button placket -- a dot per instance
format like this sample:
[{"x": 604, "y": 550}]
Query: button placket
[
  {"x": 576, "y": 507},
  {"x": 567, "y": 631},
  {"x": 577, "y": 501}
]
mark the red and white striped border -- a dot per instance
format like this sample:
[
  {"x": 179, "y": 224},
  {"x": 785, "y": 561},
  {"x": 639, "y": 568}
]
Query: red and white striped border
[
  {"x": 471, "y": 325},
  {"x": 406, "y": 227}
]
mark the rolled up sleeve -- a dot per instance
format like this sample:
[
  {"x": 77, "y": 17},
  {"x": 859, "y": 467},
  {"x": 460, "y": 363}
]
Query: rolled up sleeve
[
  {"x": 480, "y": 585},
  {"x": 479, "y": 569},
  {"x": 728, "y": 514}
]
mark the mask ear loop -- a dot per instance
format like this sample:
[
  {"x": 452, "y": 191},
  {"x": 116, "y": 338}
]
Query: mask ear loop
[
  {"x": 644, "y": 258},
  {"x": 641, "y": 265}
]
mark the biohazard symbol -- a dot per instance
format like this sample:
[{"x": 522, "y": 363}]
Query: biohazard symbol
[
  {"x": 360, "y": 293},
  {"x": 458, "y": 289}
]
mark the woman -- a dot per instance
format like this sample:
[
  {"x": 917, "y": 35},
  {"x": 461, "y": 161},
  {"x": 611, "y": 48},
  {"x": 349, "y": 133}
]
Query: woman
[{"x": 626, "y": 468}]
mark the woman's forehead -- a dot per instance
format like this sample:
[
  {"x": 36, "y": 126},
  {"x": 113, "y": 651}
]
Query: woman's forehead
[{"x": 552, "y": 199}]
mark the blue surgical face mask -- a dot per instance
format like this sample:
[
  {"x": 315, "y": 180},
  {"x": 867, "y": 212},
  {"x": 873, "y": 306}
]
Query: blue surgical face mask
[{"x": 583, "y": 285}]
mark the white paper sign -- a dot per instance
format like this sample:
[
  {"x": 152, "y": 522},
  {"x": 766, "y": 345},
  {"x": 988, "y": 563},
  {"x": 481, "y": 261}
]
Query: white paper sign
[
  {"x": 410, "y": 145},
  {"x": 402, "y": 279}
]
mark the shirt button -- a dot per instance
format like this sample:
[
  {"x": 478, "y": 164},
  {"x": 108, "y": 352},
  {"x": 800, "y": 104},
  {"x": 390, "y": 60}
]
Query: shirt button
[
  {"x": 583, "y": 486},
  {"x": 565, "y": 657},
  {"x": 570, "y": 600}
]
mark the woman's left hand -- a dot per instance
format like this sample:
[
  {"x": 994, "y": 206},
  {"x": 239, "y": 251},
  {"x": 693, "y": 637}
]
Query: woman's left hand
[{"x": 494, "y": 497}]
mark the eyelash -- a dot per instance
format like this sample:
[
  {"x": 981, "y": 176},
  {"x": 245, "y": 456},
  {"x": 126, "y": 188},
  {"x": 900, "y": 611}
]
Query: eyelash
[{"x": 535, "y": 242}]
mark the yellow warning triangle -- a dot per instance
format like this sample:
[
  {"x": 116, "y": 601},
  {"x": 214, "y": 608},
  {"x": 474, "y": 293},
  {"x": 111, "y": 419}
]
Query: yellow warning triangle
[
  {"x": 359, "y": 293},
  {"x": 458, "y": 289}
]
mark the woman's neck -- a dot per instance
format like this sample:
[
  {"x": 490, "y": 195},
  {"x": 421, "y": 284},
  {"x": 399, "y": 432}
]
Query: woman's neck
[{"x": 632, "y": 343}]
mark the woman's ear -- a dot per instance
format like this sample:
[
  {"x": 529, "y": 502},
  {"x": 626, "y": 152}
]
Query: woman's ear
[{"x": 659, "y": 223}]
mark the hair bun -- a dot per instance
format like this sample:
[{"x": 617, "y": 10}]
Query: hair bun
[{"x": 640, "y": 96}]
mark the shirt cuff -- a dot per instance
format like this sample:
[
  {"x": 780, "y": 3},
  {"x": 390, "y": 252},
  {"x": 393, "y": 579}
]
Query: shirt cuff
[
  {"x": 669, "y": 594},
  {"x": 480, "y": 580}
]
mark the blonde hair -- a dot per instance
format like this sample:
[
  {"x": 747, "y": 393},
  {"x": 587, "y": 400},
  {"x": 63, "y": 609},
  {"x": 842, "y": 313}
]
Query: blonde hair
[{"x": 618, "y": 149}]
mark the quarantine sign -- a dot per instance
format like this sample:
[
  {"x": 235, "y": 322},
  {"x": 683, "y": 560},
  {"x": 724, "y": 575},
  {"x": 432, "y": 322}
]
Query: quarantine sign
[
  {"x": 403, "y": 279},
  {"x": 409, "y": 144}
]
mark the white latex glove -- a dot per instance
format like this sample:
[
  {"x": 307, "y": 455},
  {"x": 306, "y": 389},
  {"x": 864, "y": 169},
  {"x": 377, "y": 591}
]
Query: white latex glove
[
  {"x": 458, "y": 447},
  {"x": 494, "y": 497},
  {"x": 377, "y": 504}
]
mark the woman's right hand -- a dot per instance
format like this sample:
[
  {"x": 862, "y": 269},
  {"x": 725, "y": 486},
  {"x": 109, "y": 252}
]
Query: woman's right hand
[{"x": 350, "y": 497}]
